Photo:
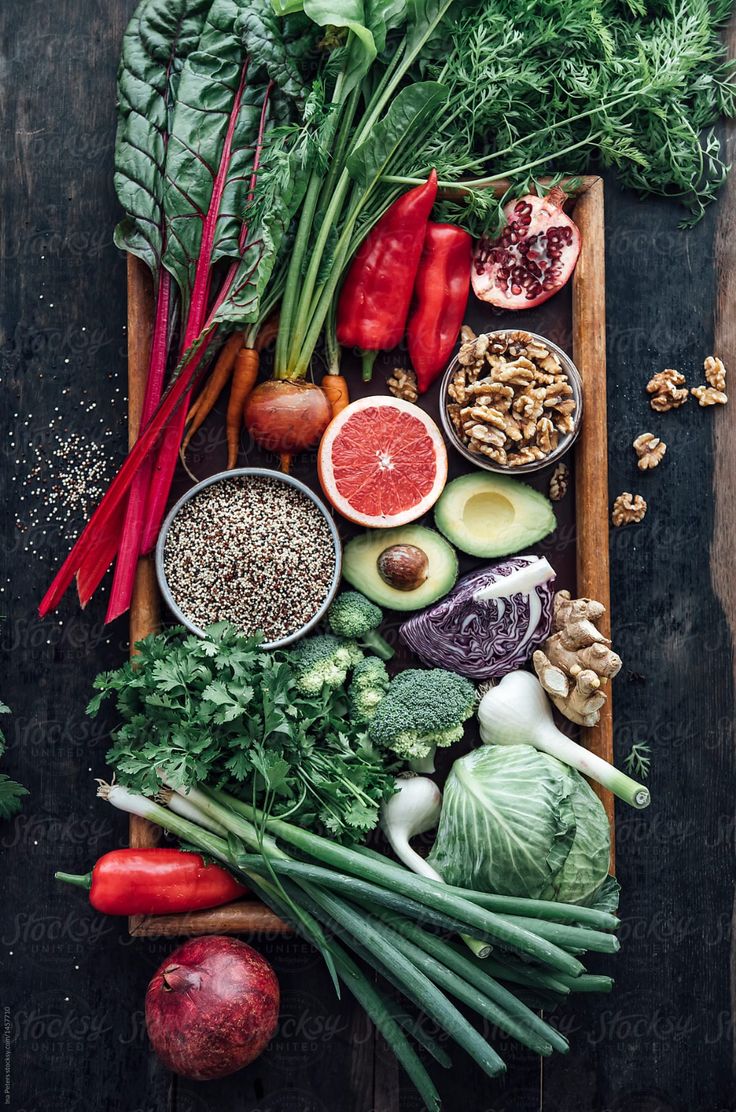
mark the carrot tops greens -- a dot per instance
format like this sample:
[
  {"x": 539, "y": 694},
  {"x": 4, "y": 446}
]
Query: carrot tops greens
[
  {"x": 558, "y": 86},
  {"x": 220, "y": 710}
]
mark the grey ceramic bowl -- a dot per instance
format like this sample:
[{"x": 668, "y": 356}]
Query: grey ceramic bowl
[
  {"x": 238, "y": 473},
  {"x": 566, "y": 442}
]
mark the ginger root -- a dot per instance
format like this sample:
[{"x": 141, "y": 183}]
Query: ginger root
[{"x": 576, "y": 662}]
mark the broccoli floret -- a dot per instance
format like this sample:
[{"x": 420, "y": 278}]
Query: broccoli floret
[
  {"x": 367, "y": 687},
  {"x": 353, "y": 615},
  {"x": 421, "y": 710},
  {"x": 324, "y": 660}
]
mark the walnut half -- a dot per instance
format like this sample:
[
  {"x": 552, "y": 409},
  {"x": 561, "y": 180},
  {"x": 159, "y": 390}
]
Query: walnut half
[
  {"x": 650, "y": 450},
  {"x": 628, "y": 509},
  {"x": 666, "y": 388},
  {"x": 715, "y": 373},
  {"x": 403, "y": 384},
  {"x": 707, "y": 395},
  {"x": 559, "y": 482}
]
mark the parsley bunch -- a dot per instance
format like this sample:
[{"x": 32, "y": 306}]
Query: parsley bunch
[{"x": 220, "y": 711}]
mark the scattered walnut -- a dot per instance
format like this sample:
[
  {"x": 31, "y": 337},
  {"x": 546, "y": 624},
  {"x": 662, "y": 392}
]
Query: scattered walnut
[
  {"x": 715, "y": 373},
  {"x": 650, "y": 450},
  {"x": 403, "y": 384},
  {"x": 628, "y": 509},
  {"x": 514, "y": 387},
  {"x": 559, "y": 482},
  {"x": 666, "y": 390},
  {"x": 467, "y": 333},
  {"x": 706, "y": 395}
]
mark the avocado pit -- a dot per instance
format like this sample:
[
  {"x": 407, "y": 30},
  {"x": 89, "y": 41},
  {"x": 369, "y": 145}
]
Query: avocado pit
[{"x": 405, "y": 567}]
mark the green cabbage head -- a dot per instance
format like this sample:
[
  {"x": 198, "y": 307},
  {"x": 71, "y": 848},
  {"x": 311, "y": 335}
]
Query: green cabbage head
[{"x": 518, "y": 822}]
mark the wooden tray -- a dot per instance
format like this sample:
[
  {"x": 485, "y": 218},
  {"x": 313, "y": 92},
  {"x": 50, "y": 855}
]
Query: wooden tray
[{"x": 587, "y": 571}]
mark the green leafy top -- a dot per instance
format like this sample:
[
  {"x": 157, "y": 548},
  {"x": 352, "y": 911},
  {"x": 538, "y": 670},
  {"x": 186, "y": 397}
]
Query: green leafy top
[
  {"x": 216, "y": 105},
  {"x": 549, "y": 86},
  {"x": 160, "y": 36},
  {"x": 11, "y": 793},
  {"x": 219, "y": 710},
  {"x": 639, "y": 759}
]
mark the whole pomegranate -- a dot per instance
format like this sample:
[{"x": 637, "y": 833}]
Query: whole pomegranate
[
  {"x": 212, "y": 1007},
  {"x": 532, "y": 258}
]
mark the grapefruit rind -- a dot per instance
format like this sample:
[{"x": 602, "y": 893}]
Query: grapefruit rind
[{"x": 354, "y": 482}]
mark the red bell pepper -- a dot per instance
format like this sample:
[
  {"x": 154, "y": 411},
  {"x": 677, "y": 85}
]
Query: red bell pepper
[
  {"x": 440, "y": 297},
  {"x": 155, "y": 882},
  {"x": 376, "y": 294}
]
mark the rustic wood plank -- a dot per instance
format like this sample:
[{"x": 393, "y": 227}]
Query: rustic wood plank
[
  {"x": 591, "y": 451},
  {"x": 145, "y": 608},
  {"x": 723, "y": 543},
  {"x": 245, "y": 917}
]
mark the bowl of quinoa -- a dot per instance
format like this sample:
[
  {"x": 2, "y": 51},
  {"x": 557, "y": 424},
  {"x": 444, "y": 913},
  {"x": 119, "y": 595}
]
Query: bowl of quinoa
[{"x": 253, "y": 547}]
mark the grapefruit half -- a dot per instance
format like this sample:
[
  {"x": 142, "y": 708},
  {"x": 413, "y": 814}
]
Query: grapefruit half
[{"x": 382, "y": 462}]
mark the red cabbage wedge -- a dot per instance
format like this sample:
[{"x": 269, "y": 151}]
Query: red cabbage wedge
[{"x": 484, "y": 638}]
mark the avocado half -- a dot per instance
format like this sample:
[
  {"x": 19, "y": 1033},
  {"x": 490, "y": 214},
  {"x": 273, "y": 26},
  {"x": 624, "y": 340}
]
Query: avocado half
[
  {"x": 493, "y": 515},
  {"x": 360, "y": 566}
]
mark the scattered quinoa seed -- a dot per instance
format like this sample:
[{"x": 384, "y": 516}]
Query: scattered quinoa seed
[{"x": 253, "y": 551}]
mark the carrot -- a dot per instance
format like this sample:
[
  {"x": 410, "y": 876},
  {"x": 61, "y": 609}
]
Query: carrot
[
  {"x": 336, "y": 390},
  {"x": 216, "y": 383},
  {"x": 244, "y": 379}
]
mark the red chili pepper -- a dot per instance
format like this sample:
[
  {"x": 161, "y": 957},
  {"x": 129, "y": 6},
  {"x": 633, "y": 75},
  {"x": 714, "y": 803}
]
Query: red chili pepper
[
  {"x": 441, "y": 294},
  {"x": 155, "y": 882},
  {"x": 376, "y": 294}
]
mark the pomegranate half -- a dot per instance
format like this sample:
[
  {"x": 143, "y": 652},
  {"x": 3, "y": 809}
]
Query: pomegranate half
[{"x": 532, "y": 258}]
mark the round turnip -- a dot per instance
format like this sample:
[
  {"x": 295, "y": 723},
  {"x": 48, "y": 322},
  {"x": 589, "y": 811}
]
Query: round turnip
[{"x": 212, "y": 1007}]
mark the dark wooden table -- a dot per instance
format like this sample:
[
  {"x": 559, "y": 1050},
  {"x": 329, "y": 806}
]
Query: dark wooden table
[{"x": 72, "y": 981}]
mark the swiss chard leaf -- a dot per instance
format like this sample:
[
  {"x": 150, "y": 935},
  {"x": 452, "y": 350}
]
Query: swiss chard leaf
[
  {"x": 215, "y": 124},
  {"x": 382, "y": 16},
  {"x": 283, "y": 48},
  {"x": 424, "y": 18},
  {"x": 159, "y": 38}
]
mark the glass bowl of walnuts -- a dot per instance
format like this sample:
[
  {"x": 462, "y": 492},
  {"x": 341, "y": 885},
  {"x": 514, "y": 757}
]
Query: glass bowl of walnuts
[{"x": 511, "y": 401}]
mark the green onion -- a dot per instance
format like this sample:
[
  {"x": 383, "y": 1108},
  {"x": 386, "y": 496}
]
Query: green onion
[
  {"x": 550, "y": 910},
  {"x": 578, "y": 939},
  {"x": 375, "y": 937},
  {"x": 355, "y": 888},
  {"x": 371, "y": 1000},
  {"x": 427, "y": 891},
  {"x": 466, "y": 992},
  {"x": 472, "y": 970}
]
